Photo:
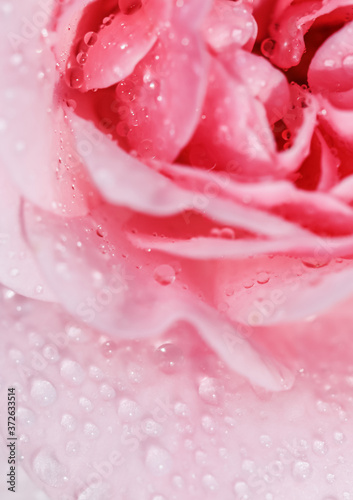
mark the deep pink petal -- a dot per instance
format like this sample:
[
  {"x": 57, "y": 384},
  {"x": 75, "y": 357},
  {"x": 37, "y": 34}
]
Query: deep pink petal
[
  {"x": 229, "y": 24},
  {"x": 122, "y": 43}
]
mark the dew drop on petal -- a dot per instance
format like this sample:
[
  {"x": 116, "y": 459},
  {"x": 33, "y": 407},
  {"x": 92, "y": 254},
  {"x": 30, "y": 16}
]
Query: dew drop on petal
[
  {"x": 319, "y": 447},
  {"x": 128, "y": 7},
  {"x": 129, "y": 411},
  {"x": 107, "y": 392},
  {"x": 348, "y": 64},
  {"x": 86, "y": 404},
  {"x": 91, "y": 430},
  {"x": 68, "y": 422},
  {"x": 72, "y": 372},
  {"x": 209, "y": 482},
  {"x": 210, "y": 391},
  {"x": 164, "y": 274},
  {"x": 267, "y": 47},
  {"x": 43, "y": 392},
  {"x": 75, "y": 77},
  {"x": 49, "y": 469},
  {"x": 208, "y": 424},
  {"x": 262, "y": 278},
  {"x": 81, "y": 58},
  {"x": 169, "y": 358},
  {"x": 158, "y": 461},
  {"x": 90, "y": 38},
  {"x": 241, "y": 489},
  {"x": 301, "y": 470},
  {"x": 108, "y": 349}
]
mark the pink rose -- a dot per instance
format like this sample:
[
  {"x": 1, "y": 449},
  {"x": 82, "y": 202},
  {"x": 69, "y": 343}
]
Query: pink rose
[{"x": 176, "y": 242}]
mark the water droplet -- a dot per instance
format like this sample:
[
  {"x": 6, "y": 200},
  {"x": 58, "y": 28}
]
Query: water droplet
[
  {"x": 123, "y": 129},
  {"x": 262, "y": 278},
  {"x": 266, "y": 441},
  {"x": 227, "y": 233},
  {"x": 329, "y": 63},
  {"x": 108, "y": 348},
  {"x": 210, "y": 391},
  {"x": 128, "y": 7},
  {"x": 319, "y": 447},
  {"x": 208, "y": 424},
  {"x": 126, "y": 91},
  {"x": 241, "y": 489},
  {"x": 50, "y": 352},
  {"x": 100, "y": 232},
  {"x": 248, "y": 283},
  {"x": 301, "y": 470},
  {"x": 81, "y": 58},
  {"x": 129, "y": 411},
  {"x": 339, "y": 437},
  {"x": 164, "y": 274},
  {"x": 316, "y": 261},
  {"x": 91, "y": 430},
  {"x": 158, "y": 461},
  {"x": 107, "y": 392},
  {"x": 267, "y": 47},
  {"x": 25, "y": 416},
  {"x": 43, "y": 392},
  {"x": 347, "y": 64},
  {"x": 152, "y": 428},
  {"x": 86, "y": 404},
  {"x": 330, "y": 478},
  {"x": 68, "y": 422},
  {"x": 209, "y": 482},
  {"x": 90, "y": 38},
  {"x": 49, "y": 469},
  {"x": 181, "y": 409},
  {"x": 75, "y": 77},
  {"x": 169, "y": 358},
  {"x": 72, "y": 372},
  {"x": 95, "y": 373}
]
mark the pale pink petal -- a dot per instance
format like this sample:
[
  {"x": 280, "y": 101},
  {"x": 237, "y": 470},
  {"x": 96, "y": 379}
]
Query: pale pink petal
[
  {"x": 318, "y": 211},
  {"x": 124, "y": 180},
  {"x": 264, "y": 81},
  {"x": 229, "y": 24},
  {"x": 233, "y": 128},
  {"x": 102, "y": 280},
  {"x": 18, "y": 270},
  {"x": 33, "y": 132}
]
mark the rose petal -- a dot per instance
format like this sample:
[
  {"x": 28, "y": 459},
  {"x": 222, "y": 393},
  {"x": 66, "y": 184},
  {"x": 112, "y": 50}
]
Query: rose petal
[
  {"x": 18, "y": 270},
  {"x": 230, "y": 24},
  {"x": 122, "y": 43},
  {"x": 318, "y": 211},
  {"x": 99, "y": 286},
  {"x": 331, "y": 69},
  {"x": 31, "y": 154},
  {"x": 292, "y": 23},
  {"x": 264, "y": 81}
]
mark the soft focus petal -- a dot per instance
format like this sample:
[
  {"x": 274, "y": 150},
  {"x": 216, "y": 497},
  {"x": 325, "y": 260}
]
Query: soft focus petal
[
  {"x": 113, "y": 287},
  {"x": 18, "y": 270},
  {"x": 37, "y": 157}
]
